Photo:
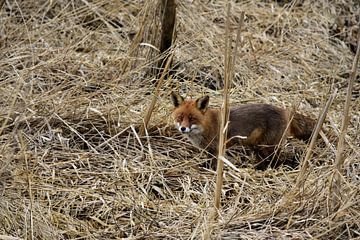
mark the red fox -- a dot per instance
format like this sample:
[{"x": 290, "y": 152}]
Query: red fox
[{"x": 258, "y": 126}]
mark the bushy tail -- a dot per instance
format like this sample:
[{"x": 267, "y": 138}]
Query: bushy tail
[{"x": 302, "y": 127}]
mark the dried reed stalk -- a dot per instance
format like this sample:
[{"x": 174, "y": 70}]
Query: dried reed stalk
[
  {"x": 305, "y": 163},
  {"x": 224, "y": 113},
  {"x": 155, "y": 96},
  {"x": 230, "y": 61},
  {"x": 49, "y": 83},
  {"x": 222, "y": 132},
  {"x": 138, "y": 39},
  {"x": 339, "y": 160},
  {"x": 29, "y": 184},
  {"x": 284, "y": 135}
]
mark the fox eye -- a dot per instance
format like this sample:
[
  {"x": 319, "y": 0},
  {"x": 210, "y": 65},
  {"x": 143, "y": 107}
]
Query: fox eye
[
  {"x": 192, "y": 118},
  {"x": 179, "y": 118}
]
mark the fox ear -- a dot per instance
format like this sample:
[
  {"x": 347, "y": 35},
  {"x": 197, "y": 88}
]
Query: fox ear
[
  {"x": 176, "y": 99},
  {"x": 202, "y": 103}
]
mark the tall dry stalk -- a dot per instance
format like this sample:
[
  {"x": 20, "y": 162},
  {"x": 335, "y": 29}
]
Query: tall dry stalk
[
  {"x": 230, "y": 60},
  {"x": 29, "y": 182},
  {"x": 339, "y": 160},
  {"x": 146, "y": 13},
  {"x": 155, "y": 96},
  {"x": 224, "y": 114},
  {"x": 305, "y": 163}
]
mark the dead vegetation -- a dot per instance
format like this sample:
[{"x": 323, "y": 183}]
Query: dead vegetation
[{"x": 75, "y": 83}]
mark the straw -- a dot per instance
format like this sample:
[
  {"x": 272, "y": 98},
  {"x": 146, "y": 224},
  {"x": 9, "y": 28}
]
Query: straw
[
  {"x": 340, "y": 158},
  {"x": 75, "y": 85}
]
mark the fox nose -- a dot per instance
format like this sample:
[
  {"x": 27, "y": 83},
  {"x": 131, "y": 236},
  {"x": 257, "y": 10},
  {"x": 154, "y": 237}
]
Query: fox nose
[{"x": 184, "y": 129}]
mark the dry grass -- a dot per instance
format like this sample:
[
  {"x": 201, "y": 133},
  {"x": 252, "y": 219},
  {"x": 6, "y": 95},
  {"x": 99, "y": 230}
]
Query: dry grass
[{"x": 75, "y": 83}]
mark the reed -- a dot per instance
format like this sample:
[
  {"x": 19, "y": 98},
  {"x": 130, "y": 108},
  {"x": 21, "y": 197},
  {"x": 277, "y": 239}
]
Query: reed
[{"x": 75, "y": 88}]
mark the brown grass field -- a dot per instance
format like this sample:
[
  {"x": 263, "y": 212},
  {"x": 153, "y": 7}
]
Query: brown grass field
[{"x": 76, "y": 80}]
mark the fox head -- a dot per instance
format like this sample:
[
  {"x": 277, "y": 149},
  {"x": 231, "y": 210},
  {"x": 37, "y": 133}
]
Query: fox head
[{"x": 189, "y": 115}]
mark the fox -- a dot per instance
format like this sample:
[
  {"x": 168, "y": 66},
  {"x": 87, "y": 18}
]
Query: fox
[{"x": 258, "y": 126}]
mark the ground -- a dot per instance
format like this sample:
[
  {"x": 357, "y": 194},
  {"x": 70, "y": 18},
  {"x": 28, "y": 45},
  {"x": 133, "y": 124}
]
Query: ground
[{"x": 76, "y": 80}]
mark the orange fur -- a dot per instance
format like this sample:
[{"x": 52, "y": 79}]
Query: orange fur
[{"x": 259, "y": 126}]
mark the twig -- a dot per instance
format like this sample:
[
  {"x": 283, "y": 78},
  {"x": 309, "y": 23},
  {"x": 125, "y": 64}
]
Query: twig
[
  {"x": 284, "y": 135},
  {"x": 101, "y": 17},
  {"x": 305, "y": 163},
  {"x": 112, "y": 138},
  {"x": 6, "y": 237},
  {"x": 339, "y": 160},
  {"x": 229, "y": 74},
  {"x": 77, "y": 133},
  {"x": 31, "y": 196},
  {"x": 155, "y": 97},
  {"x": 224, "y": 114}
]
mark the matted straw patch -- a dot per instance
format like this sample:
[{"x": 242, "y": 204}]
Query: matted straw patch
[{"x": 75, "y": 83}]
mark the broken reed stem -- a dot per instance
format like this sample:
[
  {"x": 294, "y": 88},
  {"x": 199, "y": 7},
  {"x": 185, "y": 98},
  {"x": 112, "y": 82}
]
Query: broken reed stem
[
  {"x": 339, "y": 160},
  {"x": 230, "y": 60},
  {"x": 137, "y": 40},
  {"x": 222, "y": 130},
  {"x": 284, "y": 135},
  {"x": 23, "y": 152},
  {"x": 224, "y": 114},
  {"x": 281, "y": 142},
  {"x": 237, "y": 43},
  {"x": 155, "y": 96},
  {"x": 305, "y": 163},
  {"x": 13, "y": 102}
]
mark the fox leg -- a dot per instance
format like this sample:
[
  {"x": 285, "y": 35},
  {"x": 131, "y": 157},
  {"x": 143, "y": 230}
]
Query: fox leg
[
  {"x": 211, "y": 162},
  {"x": 267, "y": 156}
]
